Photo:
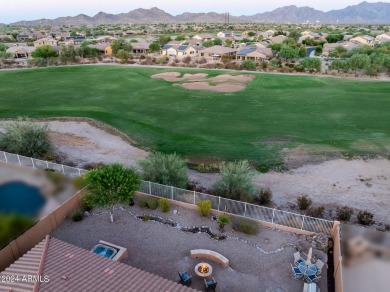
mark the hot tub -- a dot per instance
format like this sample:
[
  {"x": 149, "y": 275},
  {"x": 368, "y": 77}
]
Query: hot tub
[{"x": 104, "y": 251}]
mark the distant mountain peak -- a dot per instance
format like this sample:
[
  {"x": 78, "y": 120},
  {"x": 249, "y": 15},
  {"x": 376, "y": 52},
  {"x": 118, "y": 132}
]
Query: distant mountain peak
[{"x": 363, "y": 12}]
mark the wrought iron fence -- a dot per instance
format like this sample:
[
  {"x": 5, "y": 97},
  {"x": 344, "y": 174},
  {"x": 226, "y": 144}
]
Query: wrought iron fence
[{"x": 239, "y": 208}]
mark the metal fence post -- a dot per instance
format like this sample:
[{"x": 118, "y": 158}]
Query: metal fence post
[
  {"x": 194, "y": 198},
  {"x": 150, "y": 188},
  {"x": 17, "y": 155},
  {"x": 63, "y": 171},
  {"x": 32, "y": 161},
  {"x": 303, "y": 221},
  {"x": 273, "y": 214},
  {"x": 47, "y": 164},
  {"x": 244, "y": 209},
  {"x": 5, "y": 156},
  {"x": 219, "y": 202},
  {"x": 79, "y": 171},
  {"x": 172, "y": 192}
]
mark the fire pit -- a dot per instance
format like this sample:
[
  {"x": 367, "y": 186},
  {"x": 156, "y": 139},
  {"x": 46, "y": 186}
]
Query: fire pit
[{"x": 203, "y": 270}]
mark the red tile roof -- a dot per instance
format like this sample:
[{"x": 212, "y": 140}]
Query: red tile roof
[{"x": 70, "y": 268}]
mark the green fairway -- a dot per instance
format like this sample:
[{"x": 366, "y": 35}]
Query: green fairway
[{"x": 274, "y": 111}]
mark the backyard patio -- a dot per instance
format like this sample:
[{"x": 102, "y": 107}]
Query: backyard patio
[{"x": 256, "y": 262}]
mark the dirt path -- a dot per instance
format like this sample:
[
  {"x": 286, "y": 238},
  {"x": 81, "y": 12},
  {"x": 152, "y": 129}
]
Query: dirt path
[{"x": 361, "y": 184}]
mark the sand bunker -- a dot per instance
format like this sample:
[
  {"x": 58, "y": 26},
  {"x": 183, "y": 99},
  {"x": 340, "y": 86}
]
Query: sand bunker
[
  {"x": 174, "y": 76},
  {"x": 223, "y": 87},
  {"x": 220, "y": 83}
]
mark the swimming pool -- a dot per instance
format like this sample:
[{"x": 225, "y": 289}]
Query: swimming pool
[{"x": 20, "y": 198}]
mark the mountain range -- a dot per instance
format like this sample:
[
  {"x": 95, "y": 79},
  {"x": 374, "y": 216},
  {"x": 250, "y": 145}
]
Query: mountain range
[{"x": 375, "y": 13}]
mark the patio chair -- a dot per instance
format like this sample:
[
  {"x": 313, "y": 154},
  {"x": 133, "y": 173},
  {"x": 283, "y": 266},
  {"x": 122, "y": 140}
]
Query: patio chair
[
  {"x": 297, "y": 274},
  {"x": 312, "y": 279},
  {"x": 185, "y": 279},
  {"x": 319, "y": 265},
  {"x": 297, "y": 258},
  {"x": 210, "y": 285}
]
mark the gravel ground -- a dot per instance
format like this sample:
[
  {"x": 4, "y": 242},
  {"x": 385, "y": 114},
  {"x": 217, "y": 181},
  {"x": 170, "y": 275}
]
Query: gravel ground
[{"x": 163, "y": 250}]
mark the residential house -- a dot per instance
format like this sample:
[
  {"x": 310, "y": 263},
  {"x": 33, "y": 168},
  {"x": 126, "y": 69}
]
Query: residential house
[
  {"x": 60, "y": 266},
  {"x": 105, "y": 48},
  {"x": 329, "y": 47},
  {"x": 21, "y": 52},
  {"x": 22, "y": 37},
  {"x": 140, "y": 48},
  {"x": 106, "y": 39},
  {"x": 204, "y": 37},
  {"x": 266, "y": 34},
  {"x": 279, "y": 39},
  {"x": 179, "y": 50},
  {"x": 225, "y": 34},
  {"x": 75, "y": 40},
  {"x": 194, "y": 42},
  {"x": 364, "y": 40},
  {"x": 383, "y": 38},
  {"x": 254, "y": 53},
  {"x": 217, "y": 52},
  {"x": 46, "y": 42}
]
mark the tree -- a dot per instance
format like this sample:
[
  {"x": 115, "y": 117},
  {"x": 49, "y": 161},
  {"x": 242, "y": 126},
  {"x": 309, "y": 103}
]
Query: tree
[
  {"x": 339, "y": 65},
  {"x": 44, "y": 52},
  {"x": 68, "y": 54},
  {"x": 334, "y": 38},
  {"x": 339, "y": 52},
  {"x": 290, "y": 42},
  {"x": 235, "y": 181},
  {"x": 248, "y": 65},
  {"x": 110, "y": 185},
  {"x": 26, "y": 138},
  {"x": 318, "y": 50},
  {"x": 311, "y": 64},
  {"x": 302, "y": 51},
  {"x": 154, "y": 47},
  {"x": 288, "y": 53},
  {"x": 164, "y": 39},
  {"x": 228, "y": 43},
  {"x": 295, "y": 35},
  {"x": 217, "y": 42},
  {"x": 118, "y": 45},
  {"x": 275, "y": 47},
  {"x": 121, "y": 54},
  {"x": 167, "y": 169},
  {"x": 359, "y": 62},
  {"x": 3, "y": 47},
  {"x": 208, "y": 44},
  {"x": 180, "y": 38},
  {"x": 251, "y": 33}
]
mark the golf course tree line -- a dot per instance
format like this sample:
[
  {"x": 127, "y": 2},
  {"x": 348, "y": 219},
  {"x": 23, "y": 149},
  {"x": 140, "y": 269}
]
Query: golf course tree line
[{"x": 370, "y": 60}]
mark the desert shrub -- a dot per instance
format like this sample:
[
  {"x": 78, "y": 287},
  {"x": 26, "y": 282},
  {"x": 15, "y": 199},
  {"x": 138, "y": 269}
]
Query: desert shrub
[
  {"x": 26, "y": 138},
  {"x": 152, "y": 203},
  {"x": 57, "y": 179},
  {"x": 77, "y": 216},
  {"x": 202, "y": 60},
  {"x": 204, "y": 168},
  {"x": 86, "y": 204},
  {"x": 146, "y": 217},
  {"x": 235, "y": 181},
  {"x": 223, "y": 220},
  {"x": 204, "y": 207},
  {"x": 344, "y": 213},
  {"x": 245, "y": 225},
  {"x": 317, "y": 212},
  {"x": 167, "y": 169},
  {"x": 143, "y": 203},
  {"x": 164, "y": 205},
  {"x": 249, "y": 65},
  {"x": 265, "y": 196},
  {"x": 303, "y": 202},
  {"x": 12, "y": 226},
  {"x": 187, "y": 60},
  {"x": 262, "y": 168},
  {"x": 365, "y": 218},
  {"x": 78, "y": 182}
]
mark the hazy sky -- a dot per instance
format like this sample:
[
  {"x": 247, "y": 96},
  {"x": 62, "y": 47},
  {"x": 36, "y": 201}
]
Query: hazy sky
[{"x": 34, "y": 9}]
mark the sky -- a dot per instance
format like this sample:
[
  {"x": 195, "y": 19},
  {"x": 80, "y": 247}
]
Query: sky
[{"x": 36, "y": 9}]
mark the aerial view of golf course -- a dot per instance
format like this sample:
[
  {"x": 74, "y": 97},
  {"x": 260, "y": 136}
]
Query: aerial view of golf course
[{"x": 274, "y": 116}]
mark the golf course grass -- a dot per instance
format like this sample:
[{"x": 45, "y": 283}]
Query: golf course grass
[{"x": 273, "y": 113}]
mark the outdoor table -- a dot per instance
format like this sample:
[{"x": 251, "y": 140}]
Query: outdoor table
[{"x": 310, "y": 270}]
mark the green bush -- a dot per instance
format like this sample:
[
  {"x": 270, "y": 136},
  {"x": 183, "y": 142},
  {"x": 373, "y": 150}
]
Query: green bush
[
  {"x": 77, "y": 216},
  {"x": 86, "y": 204},
  {"x": 245, "y": 225},
  {"x": 12, "y": 226},
  {"x": 204, "y": 207},
  {"x": 265, "y": 196},
  {"x": 344, "y": 213},
  {"x": 152, "y": 203},
  {"x": 57, "y": 179},
  {"x": 303, "y": 202},
  {"x": 365, "y": 218},
  {"x": 164, "y": 205},
  {"x": 25, "y": 138},
  {"x": 78, "y": 182},
  {"x": 317, "y": 212},
  {"x": 223, "y": 220},
  {"x": 167, "y": 169},
  {"x": 235, "y": 181},
  {"x": 143, "y": 203}
]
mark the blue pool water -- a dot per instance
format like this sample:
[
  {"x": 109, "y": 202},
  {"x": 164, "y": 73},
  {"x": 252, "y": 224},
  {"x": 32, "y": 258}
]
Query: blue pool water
[
  {"x": 104, "y": 251},
  {"x": 20, "y": 198}
]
